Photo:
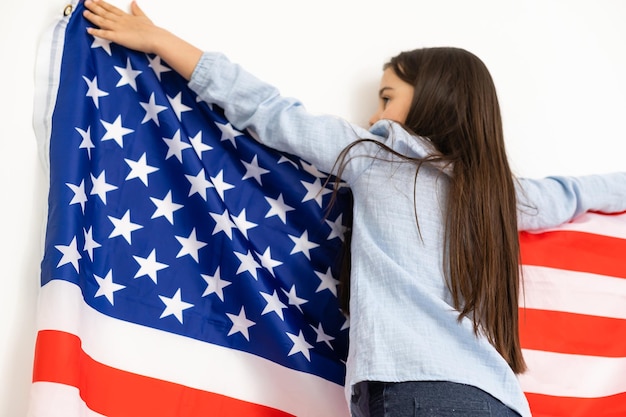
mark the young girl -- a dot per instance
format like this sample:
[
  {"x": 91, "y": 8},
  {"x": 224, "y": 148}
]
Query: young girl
[{"x": 434, "y": 253}]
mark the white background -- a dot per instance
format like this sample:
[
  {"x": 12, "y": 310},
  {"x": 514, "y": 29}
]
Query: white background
[{"x": 559, "y": 67}]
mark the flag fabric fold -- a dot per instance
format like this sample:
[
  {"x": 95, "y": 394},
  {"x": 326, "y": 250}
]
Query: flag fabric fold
[{"x": 188, "y": 270}]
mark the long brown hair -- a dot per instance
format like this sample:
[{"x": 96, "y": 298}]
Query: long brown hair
[{"x": 455, "y": 106}]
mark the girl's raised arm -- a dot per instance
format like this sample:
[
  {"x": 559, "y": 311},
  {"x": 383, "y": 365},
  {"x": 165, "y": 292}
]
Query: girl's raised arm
[{"x": 136, "y": 31}]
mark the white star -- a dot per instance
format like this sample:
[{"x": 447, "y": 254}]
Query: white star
[
  {"x": 253, "y": 170},
  {"x": 241, "y": 324},
  {"x": 273, "y": 305},
  {"x": 93, "y": 91},
  {"x": 315, "y": 191},
  {"x": 337, "y": 229},
  {"x": 79, "y": 194},
  {"x": 190, "y": 245},
  {"x": 199, "y": 184},
  {"x": 220, "y": 185},
  {"x": 152, "y": 110},
  {"x": 128, "y": 75},
  {"x": 70, "y": 254},
  {"x": 311, "y": 169},
  {"x": 300, "y": 345},
  {"x": 149, "y": 266},
  {"x": 165, "y": 207},
  {"x": 321, "y": 336},
  {"x": 102, "y": 43},
  {"x": 267, "y": 261},
  {"x": 198, "y": 145},
  {"x": 303, "y": 244},
  {"x": 90, "y": 243},
  {"x": 229, "y": 133},
  {"x": 107, "y": 287},
  {"x": 346, "y": 322},
  {"x": 328, "y": 282},
  {"x": 176, "y": 147},
  {"x": 174, "y": 306},
  {"x": 115, "y": 131},
  {"x": 178, "y": 106},
  {"x": 157, "y": 66},
  {"x": 283, "y": 159},
  {"x": 294, "y": 300},
  {"x": 215, "y": 284},
  {"x": 87, "y": 143},
  {"x": 123, "y": 227},
  {"x": 223, "y": 223},
  {"x": 100, "y": 187},
  {"x": 140, "y": 169},
  {"x": 248, "y": 263},
  {"x": 278, "y": 208},
  {"x": 243, "y": 224}
]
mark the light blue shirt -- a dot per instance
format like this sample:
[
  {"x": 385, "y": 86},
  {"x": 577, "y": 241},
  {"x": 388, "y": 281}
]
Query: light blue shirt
[{"x": 403, "y": 326}]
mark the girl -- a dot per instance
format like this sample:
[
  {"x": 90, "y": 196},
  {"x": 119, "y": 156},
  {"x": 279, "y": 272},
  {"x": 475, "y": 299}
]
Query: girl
[{"x": 435, "y": 253}]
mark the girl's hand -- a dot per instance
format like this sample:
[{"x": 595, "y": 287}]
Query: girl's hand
[{"x": 134, "y": 31}]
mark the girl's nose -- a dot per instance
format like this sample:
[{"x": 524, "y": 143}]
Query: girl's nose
[{"x": 375, "y": 117}]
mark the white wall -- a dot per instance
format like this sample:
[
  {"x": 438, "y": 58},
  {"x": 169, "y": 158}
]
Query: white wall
[{"x": 559, "y": 67}]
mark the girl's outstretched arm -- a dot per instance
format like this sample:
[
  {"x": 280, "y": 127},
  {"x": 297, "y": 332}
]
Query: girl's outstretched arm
[{"x": 136, "y": 31}]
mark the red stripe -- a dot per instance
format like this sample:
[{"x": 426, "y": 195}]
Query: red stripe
[
  {"x": 575, "y": 251},
  {"x": 549, "y": 406},
  {"x": 59, "y": 358},
  {"x": 556, "y": 331}
]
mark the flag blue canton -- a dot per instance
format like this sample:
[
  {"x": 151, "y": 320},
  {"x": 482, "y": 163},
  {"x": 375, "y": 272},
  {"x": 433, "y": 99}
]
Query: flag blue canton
[{"x": 167, "y": 216}]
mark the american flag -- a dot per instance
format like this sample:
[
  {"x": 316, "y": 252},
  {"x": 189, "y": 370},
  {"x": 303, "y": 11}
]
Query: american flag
[{"x": 188, "y": 270}]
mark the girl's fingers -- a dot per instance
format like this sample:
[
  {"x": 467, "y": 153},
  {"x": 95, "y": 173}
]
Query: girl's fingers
[
  {"x": 101, "y": 10},
  {"x": 103, "y": 14},
  {"x": 94, "y": 18},
  {"x": 94, "y": 6},
  {"x": 99, "y": 33},
  {"x": 109, "y": 8},
  {"x": 136, "y": 10},
  {"x": 130, "y": 30},
  {"x": 99, "y": 20}
]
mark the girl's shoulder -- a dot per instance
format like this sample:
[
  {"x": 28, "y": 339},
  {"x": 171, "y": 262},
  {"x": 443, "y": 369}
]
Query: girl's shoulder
[{"x": 398, "y": 138}]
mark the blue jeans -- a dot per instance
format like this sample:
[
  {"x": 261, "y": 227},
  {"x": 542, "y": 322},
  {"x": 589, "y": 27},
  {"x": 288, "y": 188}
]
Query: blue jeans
[{"x": 425, "y": 399}]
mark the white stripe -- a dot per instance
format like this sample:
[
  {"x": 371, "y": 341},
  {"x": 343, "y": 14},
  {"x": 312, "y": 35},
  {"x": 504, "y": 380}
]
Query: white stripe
[
  {"x": 185, "y": 361},
  {"x": 597, "y": 224},
  {"x": 47, "y": 74},
  {"x": 48, "y": 399},
  {"x": 573, "y": 292},
  {"x": 579, "y": 376}
]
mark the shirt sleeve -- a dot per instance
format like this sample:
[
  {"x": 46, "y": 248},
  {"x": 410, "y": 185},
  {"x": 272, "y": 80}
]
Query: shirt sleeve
[
  {"x": 278, "y": 122},
  {"x": 552, "y": 201}
]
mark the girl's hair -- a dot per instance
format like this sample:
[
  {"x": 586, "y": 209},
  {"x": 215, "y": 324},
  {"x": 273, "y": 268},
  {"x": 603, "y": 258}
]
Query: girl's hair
[{"x": 455, "y": 107}]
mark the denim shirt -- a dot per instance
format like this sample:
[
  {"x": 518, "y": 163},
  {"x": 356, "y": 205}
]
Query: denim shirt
[{"x": 403, "y": 323}]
